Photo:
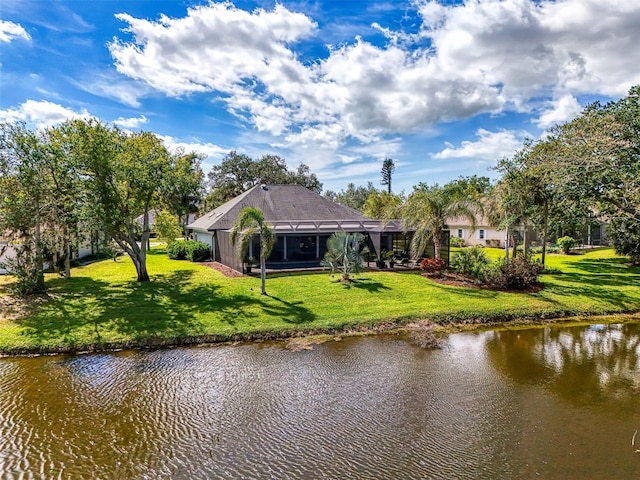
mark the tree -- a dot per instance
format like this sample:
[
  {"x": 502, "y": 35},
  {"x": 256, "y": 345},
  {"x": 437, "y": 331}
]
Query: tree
[
  {"x": 383, "y": 205},
  {"x": 388, "y": 167},
  {"x": 250, "y": 222},
  {"x": 426, "y": 212},
  {"x": 183, "y": 190},
  {"x": 471, "y": 187},
  {"x": 238, "y": 172},
  {"x": 598, "y": 164},
  {"x": 22, "y": 203},
  {"x": 167, "y": 226},
  {"x": 124, "y": 176},
  {"x": 353, "y": 197},
  {"x": 344, "y": 254}
]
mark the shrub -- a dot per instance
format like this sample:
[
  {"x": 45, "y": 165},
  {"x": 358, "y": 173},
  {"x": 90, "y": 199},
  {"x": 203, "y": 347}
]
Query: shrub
[
  {"x": 566, "y": 244},
  {"x": 516, "y": 274},
  {"x": 189, "y": 250},
  {"x": 177, "y": 250},
  {"x": 198, "y": 251},
  {"x": 472, "y": 262},
  {"x": 433, "y": 265},
  {"x": 456, "y": 242}
]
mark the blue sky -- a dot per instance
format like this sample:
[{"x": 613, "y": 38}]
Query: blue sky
[{"x": 444, "y": 88}]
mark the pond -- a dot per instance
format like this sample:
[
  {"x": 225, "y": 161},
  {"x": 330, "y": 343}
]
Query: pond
[{"x": 547, "y": 403}]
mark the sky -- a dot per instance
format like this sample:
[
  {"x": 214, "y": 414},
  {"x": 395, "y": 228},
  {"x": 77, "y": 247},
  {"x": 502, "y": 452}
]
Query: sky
[{"x": 444, "y": 88}]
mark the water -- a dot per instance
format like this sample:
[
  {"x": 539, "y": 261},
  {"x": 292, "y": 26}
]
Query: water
[{"x": 552, "y": 403}]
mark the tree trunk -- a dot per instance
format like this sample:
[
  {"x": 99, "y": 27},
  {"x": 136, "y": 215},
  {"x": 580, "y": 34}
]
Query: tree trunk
[
  {"x": 67, "y": 253},
  {"x": 39, "y": 262},
  {"x": 506, "y": 246},
  {"x": 263, "y": 274},
  {"x": 436, "y": 245},
  {"x": 545, "y": 225},
  {"x": 141, "y": 269}
]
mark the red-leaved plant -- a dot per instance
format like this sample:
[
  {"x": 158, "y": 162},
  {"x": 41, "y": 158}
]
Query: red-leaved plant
[{"x": 433, "y": 265}]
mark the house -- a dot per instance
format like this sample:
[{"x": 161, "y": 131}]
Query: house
[
  {"x": 302, "y": 221},
  {"x": 481, "y": 234},
  {"x": 7, "y": 252}
]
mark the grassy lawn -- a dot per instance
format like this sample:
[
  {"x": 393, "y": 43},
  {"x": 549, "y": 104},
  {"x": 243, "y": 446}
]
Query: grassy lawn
[{"x": 102, "y": 304}]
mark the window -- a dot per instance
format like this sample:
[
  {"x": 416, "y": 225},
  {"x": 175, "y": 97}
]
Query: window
[
  {"x": 481, "y": 234},
  {"x": 460, "y": 233}
]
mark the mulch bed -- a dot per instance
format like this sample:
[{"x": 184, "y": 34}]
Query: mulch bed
[
  {"x": 456, "y": 280},
  {"x": 223, "y": 269}
]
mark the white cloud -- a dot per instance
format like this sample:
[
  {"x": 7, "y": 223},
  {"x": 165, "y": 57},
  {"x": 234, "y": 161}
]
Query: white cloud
[
  {"x": 467, "y": 58},
  {"x": 41, "y": 113},
  {"x": 10, "y": 31},
  {"x": 131, "y": 122},
  {"x": 490, "y": 146},
  {"x": 560, "y": 110},
  {"x": 112, "y": 86},
  {"x": 210, "y": 150}
]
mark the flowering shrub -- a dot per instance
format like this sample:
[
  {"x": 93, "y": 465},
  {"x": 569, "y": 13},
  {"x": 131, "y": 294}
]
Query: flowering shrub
[{"x": 433, "y": 265}]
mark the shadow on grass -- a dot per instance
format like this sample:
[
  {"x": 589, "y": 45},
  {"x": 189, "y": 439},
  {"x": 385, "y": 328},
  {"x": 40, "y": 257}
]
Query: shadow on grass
[
  {"x": 609, "y": 266},
  {"x": 169, "y": 306},
  {"x": 599, "y": 287},
  {"x": 368, "y": 285},
  {"x": 289, "y": 312}
]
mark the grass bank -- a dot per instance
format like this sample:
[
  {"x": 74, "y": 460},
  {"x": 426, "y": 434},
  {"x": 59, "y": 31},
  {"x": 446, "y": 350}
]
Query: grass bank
[{"x": 102, "y": 307}]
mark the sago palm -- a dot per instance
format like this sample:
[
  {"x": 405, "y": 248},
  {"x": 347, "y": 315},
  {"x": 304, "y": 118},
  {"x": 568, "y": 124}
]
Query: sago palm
[{"x": 250, "y": 222}]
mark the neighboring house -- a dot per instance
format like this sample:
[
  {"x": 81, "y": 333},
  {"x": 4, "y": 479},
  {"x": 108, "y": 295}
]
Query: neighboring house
[
  {"x": 7, "y": 252},
  {"x": 152, "y": 218},
  {"x": 481, "y": 234},
  {"x": 595, "y": 234},
  {"x": 302, "y": 220}
]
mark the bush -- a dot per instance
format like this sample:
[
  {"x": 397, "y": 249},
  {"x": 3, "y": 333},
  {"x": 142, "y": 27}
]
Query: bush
[
  {"x": 198, "y": 251},
  {"x": 516, "y": 274},
  {"x": 189, "y": 250},
  {"x": 29, "y": 280},
  {"x": 566, "y": 244},
  {"x": 433, "y": 265},
  {"x": 472, "y": 262},
  {"x": 456, "y": 242},
  {"x": 177, "y": 250}
]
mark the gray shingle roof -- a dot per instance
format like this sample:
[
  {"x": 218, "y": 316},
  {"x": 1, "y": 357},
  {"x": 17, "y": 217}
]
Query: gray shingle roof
[{"x": 278, "y": 203}]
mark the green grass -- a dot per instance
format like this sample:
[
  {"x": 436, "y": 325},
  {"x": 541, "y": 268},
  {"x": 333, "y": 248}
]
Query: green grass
[{"x": 102, "y": 305}]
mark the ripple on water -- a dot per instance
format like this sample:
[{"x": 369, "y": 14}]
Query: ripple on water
[{"x": 361, "y": 408}]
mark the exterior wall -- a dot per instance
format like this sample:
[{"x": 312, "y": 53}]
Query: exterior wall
[
  {"x": 472, "y": 236},
  {"x": 205, "y": 238},
  {"x": 227, "y": 251},
  {"x": 9, "y": 253}
]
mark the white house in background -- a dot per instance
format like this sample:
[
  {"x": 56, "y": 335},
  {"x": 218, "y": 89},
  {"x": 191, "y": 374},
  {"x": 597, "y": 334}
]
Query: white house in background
[
  {"x": 7, "y": 252},
  {"x": 482, "y": 234}
]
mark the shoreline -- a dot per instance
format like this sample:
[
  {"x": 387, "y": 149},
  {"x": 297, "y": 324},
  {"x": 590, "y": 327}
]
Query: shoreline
[{"x": 313, "y": 336}]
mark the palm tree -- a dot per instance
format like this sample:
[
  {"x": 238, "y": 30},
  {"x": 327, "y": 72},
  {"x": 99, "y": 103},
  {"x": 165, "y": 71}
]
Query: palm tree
[
  {"x": 250, "y": 222},
  {"x": 344, "y": 253},
  {"x": 426, "y": 212}
]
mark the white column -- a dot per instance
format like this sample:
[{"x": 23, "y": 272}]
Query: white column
[
  {"x": 317, "y": 246},
  {"x": 284, "y": 256}
]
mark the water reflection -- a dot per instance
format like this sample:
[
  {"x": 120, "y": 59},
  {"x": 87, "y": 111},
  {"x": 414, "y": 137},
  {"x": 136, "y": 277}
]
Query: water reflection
[
  {"x": 585, "y": 365},
  {"x": 490, "y": 405}
]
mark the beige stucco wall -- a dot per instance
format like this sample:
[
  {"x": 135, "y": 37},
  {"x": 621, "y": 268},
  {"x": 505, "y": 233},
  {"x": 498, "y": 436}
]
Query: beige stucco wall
[{"x": 472, "y": 236}]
